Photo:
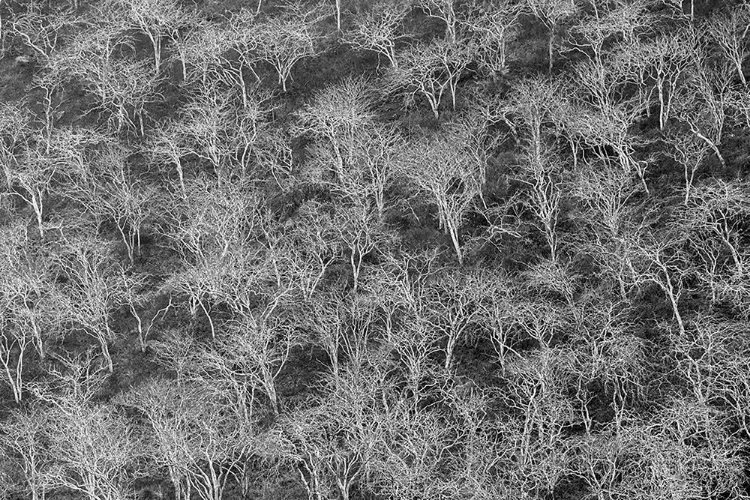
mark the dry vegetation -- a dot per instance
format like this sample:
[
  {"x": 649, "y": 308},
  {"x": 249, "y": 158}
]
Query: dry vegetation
[{"x": 392, "y": 249}]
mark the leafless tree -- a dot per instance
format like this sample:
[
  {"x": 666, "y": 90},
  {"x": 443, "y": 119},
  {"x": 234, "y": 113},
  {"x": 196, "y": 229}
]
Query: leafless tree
[
  {"x": 429, "y": 70},
  {"x": 609, "y": 123},
  {"x": 379, "y": 29},
  {"x": 664, "y": 59},
  {"x": 689, "y": 153},
  {"x": 38, "y": 30},
  {"x": 373, "y": 171},
  {"x": 14, "y": 342},
  {"x": 342, "y": 326},
  {"x": 361, "y": 233},
  {"x": 608, "y": 214},
  {"x": 23, "y": 442},
  {"x": 665, "y": 268},
  {"x": 686, "y": 447},
  {"x": 265, "y": 347},
  {"x": 168, "y": 145},
  {"x": 728, "y": 31},
  {"x": 15, "y": 124},
  {"x": 309, "y": 247},
  {"x": 112, "y": 193},
  {"x": 138, "y": 297},
  {"x": 157, "y": 19},
  {"x": 93, "y": 290},
  {"x": 48, "y": 164},
  {"x": 454, "y": 304},
  {"x": 529, "y": 112},
  {"x": 289, "y": 37},
  {"x": 445, "y": 169},
  {"x": 326, "y": 448},
  {"x": 445, "y": 10},
  {"x": 537, "y": 385},
  {"x": 339, "y": 114},
  {"x": 711, "y": 219},
  {"x": 214, "y": 129},
  {"x": 212, "y": 220},
  {"x": 703, "y": 101},
  {"x": 94, "y": 449},
  {"x": 201, "y": 51},
  {"x": 28, "y": 307},
  {"x": 414, "y": 466},
  {"x": 593, "y": 36},
  {"x": 494, "y": 26},
  {"x": 198, "y": 442},
  {"x": 552, "y": 13}
]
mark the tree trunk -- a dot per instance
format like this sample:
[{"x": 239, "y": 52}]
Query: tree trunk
[
  {"x": 550, "y": 49},
  {"x": 338, "y": 15}
]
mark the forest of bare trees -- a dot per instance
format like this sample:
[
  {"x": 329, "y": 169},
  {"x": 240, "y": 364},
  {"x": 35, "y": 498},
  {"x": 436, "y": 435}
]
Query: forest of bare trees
[{"x": 374, "y": 250}]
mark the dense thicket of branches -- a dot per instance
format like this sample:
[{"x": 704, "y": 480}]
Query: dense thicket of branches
[{"x": 428, "y": 249}]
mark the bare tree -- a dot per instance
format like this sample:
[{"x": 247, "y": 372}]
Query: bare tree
[
  {"x": 342, "y": 326},
  {"x": 93, "y": 290},
  {"x": 665, "y": 267},
  {"x": 214, "y": 129},
  {"x": 702, "y": 102},
  {"x": 689, "y": 452},
  {"x": 38, "y": 30},
  {"x": 113, "y": 194},
  {"x": 531, "y": 108},
  {"x": 594, "y": 36},
  {"x": 95, "y": 450},
  {"x": 444, "y": 168},
  {"x": 309, "y": 247},
  {"x": 243, "y": 51},
  {"x": 552, "y": 13},
  {"x": 711, "y": 218},
  {"x": 28, "y": 307},
  {"x": 544, "y": 195},
  {"x": 121, "y": 85},
  {"x": 728, "y": 31},
  {"x": 198, "y": 442},
  {"x": 494, "y": 26},
  {"x": 168, "y": 145},
  {"x": 289, "y": 37},
  {"x": 430, "y": 69},
  {"x": 669, "y": 58},
  {"x": 328, "y": 450},
  {"x": 379, "y": 29},
  {"x": 445, "y": 10},
  {"x": 454, "y": 303},
  {"x": 606, "y": 198},
  {"x": 611, "y": 354},
  {"x": 51, "y": 80},
  {"x": 157, "y": 19},
  {"x": 376, "y": 151},
  {"x": 398, "y": 297},
  {"x": 201, "y": 50},
  {"x": 416, "y": 465},
  {"x": 213, "y": 220},
  {"x": 689, "y": 153},
  {"x": 137, "y": 296},
  {"x": 22, "y": 441},
  {"x": 263, "y": 349},
  {"x": 609, "y": 123},
  {"x": 536, "y": 391},
  {"x": 339, "y": 114},
  {"x": 15, "y": 123},
  {"x": 360, "y": 232},
  {"x": 14, "y": 343},
  {"x": 209, "y": 226},
  {"x": 48, "y": 164}
]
